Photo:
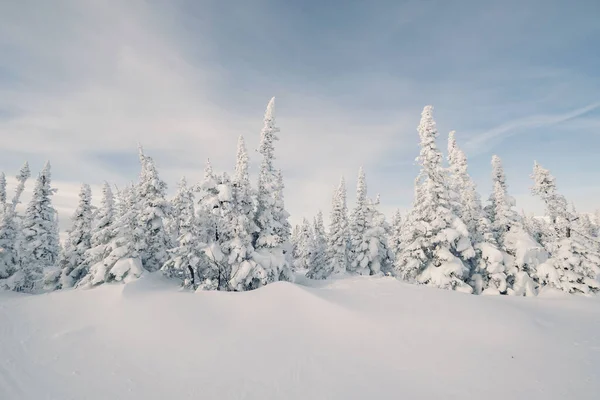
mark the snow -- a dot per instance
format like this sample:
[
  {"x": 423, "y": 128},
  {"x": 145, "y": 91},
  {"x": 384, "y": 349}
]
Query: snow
[{"x": 347, "y": 338}]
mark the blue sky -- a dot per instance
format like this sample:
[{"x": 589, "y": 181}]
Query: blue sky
[{"x": 82, "y": 82}]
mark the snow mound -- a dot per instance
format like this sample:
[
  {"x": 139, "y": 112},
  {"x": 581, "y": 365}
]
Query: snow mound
[{"x": 352, "y": 337}]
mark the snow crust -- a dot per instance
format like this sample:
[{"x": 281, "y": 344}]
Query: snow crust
[{"x": 345, "y": 338}]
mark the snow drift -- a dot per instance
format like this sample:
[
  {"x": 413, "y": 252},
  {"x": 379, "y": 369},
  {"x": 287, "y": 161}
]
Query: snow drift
[{"x": 350, "y": 338}]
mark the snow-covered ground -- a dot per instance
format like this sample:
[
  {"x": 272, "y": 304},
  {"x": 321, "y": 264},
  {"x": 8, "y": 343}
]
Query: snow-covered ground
[{"x": 351, "y": 338}]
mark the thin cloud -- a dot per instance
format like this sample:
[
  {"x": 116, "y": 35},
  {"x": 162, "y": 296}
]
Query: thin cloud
[{"x": 504, "y": 131}]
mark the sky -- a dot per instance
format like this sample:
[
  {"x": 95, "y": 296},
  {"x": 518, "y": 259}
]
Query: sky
[{"x": 83, "y": 82}]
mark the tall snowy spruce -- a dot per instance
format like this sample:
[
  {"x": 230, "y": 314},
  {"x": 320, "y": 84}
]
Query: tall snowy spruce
[
  {"x": 79, "y": 241},
  {"x": 240, "y": 247},
  {"x": 153, "y": 212},
  {"x": 103, "y": 233},
  {"x": 319, "y": 268},
  {"x": 11, "y": 236},
  {"x": 488, "y": 272},
  {"x": 40, "y": 245},
  {"x": 437, "y": 247},
  {"x": 271, "y": 240},
  {"x": 574, "y": 265},
  {"x": 369, "y": 253},
  {"x": 338, "y": 239},
  {"x": 306, "y": 250},
  {"x": 358, "y": 225},
  {"x": 187, "y": 259},
  {"x": 395, "y": 236},
  {"x": 2, "y": 191},
  {"x": 523, "y": 252},
  {"x": 119, "y": 260},
  {"x": 215, "y": 211}
]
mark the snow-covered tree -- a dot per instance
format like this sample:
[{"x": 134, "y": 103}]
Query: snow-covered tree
[
  {"x": 153, "y": 211},
  {"x": 216, "y": 216},
  {"x": 338, "y": 239},
  {"x": 436, "y": 243},
  {"x": 40, "y": 247},
  {"x": 103, "y": 232},
  {"x": 574, "y": 265},
  {"x": 306, "y": 251},
  {"x": 2, "y": 191},
  {"x": 273, "y": 234},
  {"x": 11, "y": 234},
  {"x": 395, "y": 237},
  {"x": 119, "y": 259},
  {"x": 179, "y": 208},
  {"x": 523, "y": 252},
  {"x": 358, "y": 259},
  {"x": 488, "y": 271},
  {"x": 187, "y": 260},
  {"x": 79, "y": 241},
  {"x": 295, "y": 239},
  {"x": 368, "y": 253},
  {"x": 243, "y": 227},
  {"x": 319, "y": 268}
]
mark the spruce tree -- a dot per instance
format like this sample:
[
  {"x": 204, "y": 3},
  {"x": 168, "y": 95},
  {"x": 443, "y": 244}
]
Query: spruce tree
[
  {"x": 11, "y": 234},
  {"x": 2, "y": 191},
  {"x": 119, "y": 260},
  {"x": 487, "y": 268},
  {"x": 40, "y": 245},
  {"x": 187, "y": 260},
  {"x": 243, "y": 226},
  {"x": 338, "y": 239},
  {"x": 79, "y": 241},
  {"x": 153, "y": 212},
  {"x": 574, "y": 265},
  {"x": 306, "y": 251},
  {"x": 319, "y": 268},
  {"x": 103, "y": 233},
  {"x": 358, "y": 226},
  {"x": 271, "y": 240},
  {"x": 436, "y": 241},
  {"x": 524, "y": 254},
  {"x": 395, "y": 238}
]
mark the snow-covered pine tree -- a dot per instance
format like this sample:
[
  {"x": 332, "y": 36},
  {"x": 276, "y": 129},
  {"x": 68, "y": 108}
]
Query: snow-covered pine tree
[
  {"x": 153, "y": 212},
  {"x": 187, "y": 260},
  {"x": 436, "y": 243},
  {"x": 2, "y": 191},
  {"x": 306, "y": 251},
  {"x": 574, "y": 265},
  {"x": 368, "y": 253},
  {"x": 214, "y": 199},
  {"x": 10, "y": 235},
  {"x": 338, "y": 239},
  {"x": 524, "y": 253},
  {"x": 243, "y": 226},
  {"x": 395, "y": 237},
  {"x": 295, "y": 239},
  {"x": 103, "y": 231},
  {"x": 40, "y": 247},
  {"x": 119, "y": 259},
  {"x": 488, "y": 272},
  {"x": 376, "y": 236},
  {"x": 319, "y": 268},
  {"x": 72, "y": 259},
  {"x": 358, "y": 255},
  {"x": 178, "y": 210},
  {"x": 271, "y": 240}
]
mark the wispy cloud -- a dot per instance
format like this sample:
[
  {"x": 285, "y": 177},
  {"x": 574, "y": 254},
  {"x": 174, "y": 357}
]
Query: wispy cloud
[{"x": 493, "y": 136}]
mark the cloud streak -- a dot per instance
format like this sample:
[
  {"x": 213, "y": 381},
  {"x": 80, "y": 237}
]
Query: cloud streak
[{"x": 493, "y": 136}]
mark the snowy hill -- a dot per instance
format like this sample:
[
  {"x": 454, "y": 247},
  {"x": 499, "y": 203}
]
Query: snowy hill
[{"x": 352, "y": 338}]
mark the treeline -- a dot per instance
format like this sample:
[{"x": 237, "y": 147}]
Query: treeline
[{"x": 227, "y": 234}]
